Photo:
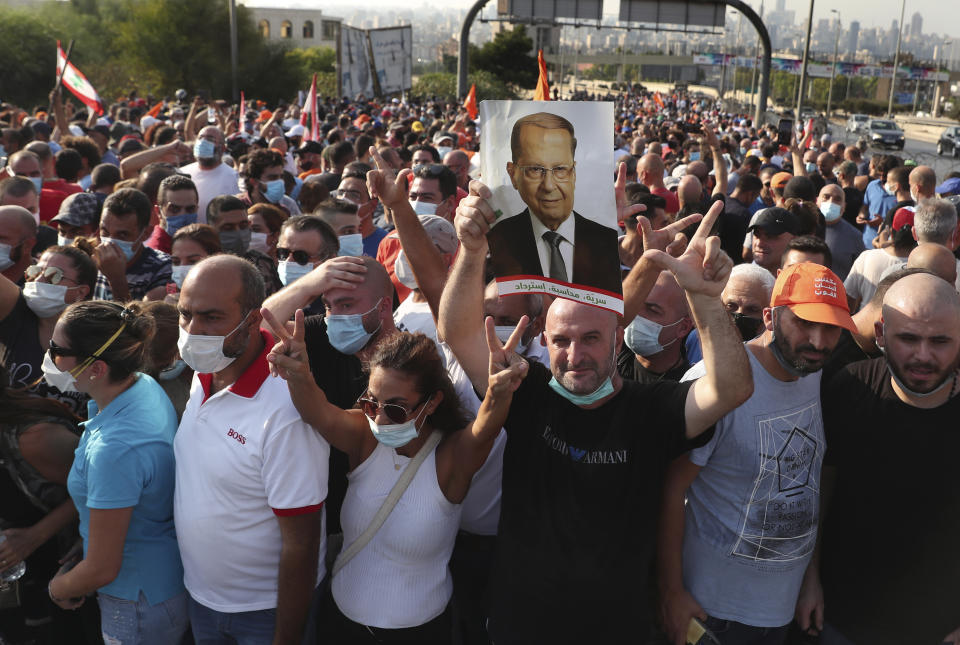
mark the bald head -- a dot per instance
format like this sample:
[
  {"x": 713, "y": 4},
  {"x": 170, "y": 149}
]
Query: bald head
[
  {"x": 17, "y": 219},
  {"x": 935, "y": 258},
  {"x": 923, "y": 181},
  {"x": 650, "y": 169},
  {"x": 699, "y": 170},
  {"x": 669, "y": 295},
  {"x": 689, "y": 191},
  {"x": 922, "y": 296},
  {"x": 231, "y": 277},
  {"x": 376, "y": 281}
]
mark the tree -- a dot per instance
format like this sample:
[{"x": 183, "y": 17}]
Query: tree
[
  {"x": 444, "y": 86},
  {"x": 508, "y": 58}
]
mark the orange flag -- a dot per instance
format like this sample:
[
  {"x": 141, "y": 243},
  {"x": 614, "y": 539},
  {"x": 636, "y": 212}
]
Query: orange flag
[
  {"x": 542, "y": 93},
  {"x": 471, "y": 103},
  {"x": 155, "y": 110}
]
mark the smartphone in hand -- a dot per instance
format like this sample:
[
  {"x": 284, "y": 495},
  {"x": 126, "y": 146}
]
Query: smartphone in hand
[{"x": 698, "y": 634}]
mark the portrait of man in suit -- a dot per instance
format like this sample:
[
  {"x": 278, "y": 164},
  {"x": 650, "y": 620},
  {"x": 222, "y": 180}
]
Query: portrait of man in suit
[{"x": 549, "y": 238}]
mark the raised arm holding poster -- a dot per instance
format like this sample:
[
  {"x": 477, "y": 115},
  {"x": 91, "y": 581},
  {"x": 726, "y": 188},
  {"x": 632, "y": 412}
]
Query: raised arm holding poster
[{"x": 556, "y": 230}]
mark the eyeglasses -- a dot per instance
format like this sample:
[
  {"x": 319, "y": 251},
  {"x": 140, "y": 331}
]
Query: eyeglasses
[
  {"x": 394, "y": 411},
  {"x": 53, "y": 275},
  {"x": 537, "y": 173},
  {"x": 300, "y": 257}
]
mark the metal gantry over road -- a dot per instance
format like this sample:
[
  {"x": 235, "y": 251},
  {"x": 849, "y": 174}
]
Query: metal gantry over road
[{"x": 743, "y": 8}]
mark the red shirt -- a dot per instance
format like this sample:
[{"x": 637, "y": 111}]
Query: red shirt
[
  {"x": 50, "y": 201},
  {"x": 159, "y": 240},
  {"x": 387, "y": 256}
]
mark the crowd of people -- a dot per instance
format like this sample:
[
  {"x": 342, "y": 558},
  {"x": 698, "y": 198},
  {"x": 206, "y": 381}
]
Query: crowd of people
[{"x": 259, "y": 386}]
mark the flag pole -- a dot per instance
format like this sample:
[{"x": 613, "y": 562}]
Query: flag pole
[{"x": 66, "y": 61}]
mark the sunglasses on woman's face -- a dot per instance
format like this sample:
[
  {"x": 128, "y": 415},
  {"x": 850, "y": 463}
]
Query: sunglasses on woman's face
[
  {"x": 56, "y": 350},
  {"x": 394, "y": 411}
]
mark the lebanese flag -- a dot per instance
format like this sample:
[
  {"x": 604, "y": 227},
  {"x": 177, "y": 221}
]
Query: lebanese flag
[
  {"x": 77, "y": 83},
  {"x": 310, "y": 107},
  {"x": 471, "y": 103},
  {"x": 542, "y": 93}
]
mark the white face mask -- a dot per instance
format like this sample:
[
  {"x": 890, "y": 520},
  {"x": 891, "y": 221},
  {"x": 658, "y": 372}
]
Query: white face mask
[
  {"x": 180, "y": 274},
  {"x": 204, "y": 354},
  {"x": 503, "y": 333},
  {"x": 45, "y": 299},
  {"x": 443, "y": 150},
  {"x": 424, "y": 208},
  {"x": 351, "y": 245},
  {"x": 64, "y": 241},
  {"x": 258, "y": 242},
  {"x": 401, "y": 267},
  {"x": 55, "y": 377}
]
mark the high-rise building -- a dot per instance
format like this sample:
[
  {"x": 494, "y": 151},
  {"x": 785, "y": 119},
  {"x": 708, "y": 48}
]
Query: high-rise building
[
  {"x": 853, "y": 36},
  {"x": 916, "y": 25},
  {"x": 781, "y": 6}
]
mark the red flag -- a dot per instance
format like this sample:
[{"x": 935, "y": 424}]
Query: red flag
[
  {"x": 77, "y": 83},
  {"x": 658, "y": 100},
  {"x": 471, "y": 103},
  {"x": 310, "y": 107},
  {"x": 542, "y": 93},
  {"x": 155, "y": 110}
]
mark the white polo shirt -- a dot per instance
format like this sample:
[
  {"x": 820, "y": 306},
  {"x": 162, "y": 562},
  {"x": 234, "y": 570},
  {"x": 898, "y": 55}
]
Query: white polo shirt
[{"x": 244, "y": 456}]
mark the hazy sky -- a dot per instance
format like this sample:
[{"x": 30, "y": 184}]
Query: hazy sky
[{"x": 870, "y": 13}]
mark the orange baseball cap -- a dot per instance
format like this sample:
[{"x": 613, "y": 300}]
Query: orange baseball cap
[
  {"x": 815, "y": 293},
  {"x": 780, "y": 180}
]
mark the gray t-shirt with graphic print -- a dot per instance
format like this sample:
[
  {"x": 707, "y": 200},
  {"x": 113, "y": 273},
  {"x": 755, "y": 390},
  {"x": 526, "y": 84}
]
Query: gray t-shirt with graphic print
[{"x": 752, "y": 512}]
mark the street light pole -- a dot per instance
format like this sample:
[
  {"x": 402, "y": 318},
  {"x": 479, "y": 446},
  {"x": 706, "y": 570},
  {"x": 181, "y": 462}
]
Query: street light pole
[
  {"x": 233, "y": 51},
  {"x": 756, "y": 67},
  {"x": 833, "y": 68},
  {"x": 806, "y": 59},
  {"x": 896, "y": 60},
  {"x": 935, "y": 103}
]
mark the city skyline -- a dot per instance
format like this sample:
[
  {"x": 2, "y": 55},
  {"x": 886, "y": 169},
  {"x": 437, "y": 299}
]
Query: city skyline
[{"x": 934, "y": 14}]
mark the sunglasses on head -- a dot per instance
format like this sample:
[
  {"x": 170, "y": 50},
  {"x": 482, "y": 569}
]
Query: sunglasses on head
[{"x": 394, "y": 411}]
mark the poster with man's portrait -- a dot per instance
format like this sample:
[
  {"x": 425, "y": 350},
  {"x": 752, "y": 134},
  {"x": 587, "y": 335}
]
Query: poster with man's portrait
[{"x": 549, "y": 165}]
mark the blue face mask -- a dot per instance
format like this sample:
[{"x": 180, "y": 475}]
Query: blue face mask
[
  {"x": 37, "y": 183},
  {"x": 396, "y": 435},
  {"x": 605, "y": 389},
  {"x": 289, "y": 271},
  {"x": 204, "y": 149},
  {"x": 5, "y": 261},
  {"x": 126, "y": 247},
  {"x": 347, "y": 333},
  {"x": 811, "y": 167},
  {"x": 694, "y": 155},
  {"x": 176, "y": 222},
  {"x": 173, "y": 371},
  {"x": 273, "y": 190},
  {"x": 351, "y": 245},
  {"x": 831, "y": 211}
]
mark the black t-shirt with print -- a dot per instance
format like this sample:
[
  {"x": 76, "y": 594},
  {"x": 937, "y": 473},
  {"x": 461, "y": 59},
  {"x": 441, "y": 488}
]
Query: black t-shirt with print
[
  {"x": 22, "y": 356},
  {"x": 891, "y": 538},
  {"x": 581, "y": 496},
  {"x": 342, "y": 379}
]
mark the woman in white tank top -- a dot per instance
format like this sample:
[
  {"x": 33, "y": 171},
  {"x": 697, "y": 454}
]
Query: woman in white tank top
[{"x": 397, "y": 588}]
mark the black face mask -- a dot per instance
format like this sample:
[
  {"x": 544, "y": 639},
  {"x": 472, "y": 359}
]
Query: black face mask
[
  {"x": 306, "y": 165},
  {"x": 748, "y": 326}
]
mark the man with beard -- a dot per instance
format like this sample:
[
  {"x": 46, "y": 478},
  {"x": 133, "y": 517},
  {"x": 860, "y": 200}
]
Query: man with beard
[
  {"x": 889, "y": 552},
  {"x": 735, "y": 555}
]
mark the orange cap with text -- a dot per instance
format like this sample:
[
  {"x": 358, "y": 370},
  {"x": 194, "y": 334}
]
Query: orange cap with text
[{"x": 815, "y": 293}]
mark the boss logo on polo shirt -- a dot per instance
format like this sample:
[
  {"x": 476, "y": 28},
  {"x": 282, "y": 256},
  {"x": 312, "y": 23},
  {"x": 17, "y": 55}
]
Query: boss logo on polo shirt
[{"x": 233, "y": 434}]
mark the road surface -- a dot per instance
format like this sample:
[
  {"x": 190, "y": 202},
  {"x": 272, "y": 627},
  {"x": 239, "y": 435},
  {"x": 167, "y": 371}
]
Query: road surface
[{"x": 923, "y": 152}]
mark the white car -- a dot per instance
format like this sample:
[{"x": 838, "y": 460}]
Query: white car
[{"x": 857, "y": 123}]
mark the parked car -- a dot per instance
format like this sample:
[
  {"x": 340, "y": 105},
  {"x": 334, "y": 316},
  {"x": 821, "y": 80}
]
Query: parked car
[
  {"x": 856, "y": 123},
  {"x": 885, "y": 133},
  {"x": 949, "y": 142}
]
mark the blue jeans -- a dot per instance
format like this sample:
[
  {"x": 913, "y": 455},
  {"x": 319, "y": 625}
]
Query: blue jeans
[
  {"x": 211, "y": 627},
  {"x": 137, "y": 622},
  {"x": 730, "y": 632}
]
